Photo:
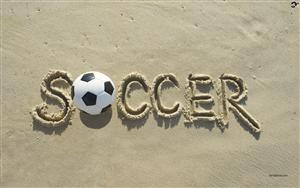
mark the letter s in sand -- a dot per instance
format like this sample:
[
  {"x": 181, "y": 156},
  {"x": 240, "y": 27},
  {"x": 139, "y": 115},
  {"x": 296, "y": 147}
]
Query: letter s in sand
[{"x": 63, "y": 117}]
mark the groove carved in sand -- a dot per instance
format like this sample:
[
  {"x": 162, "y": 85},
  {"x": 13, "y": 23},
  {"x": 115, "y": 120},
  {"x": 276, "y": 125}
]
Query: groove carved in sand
[
  {"x": 158, "y": 107},
  {"x": 40, "y": 112},
  {"x": 126, "y": 110},
  {"x": 237, "y": 97},
  {"x": 190, "y": 112},
  {"x": 41, "y": 115}
]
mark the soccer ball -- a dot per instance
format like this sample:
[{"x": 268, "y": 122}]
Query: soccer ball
[{"x": 93, "y": 92}]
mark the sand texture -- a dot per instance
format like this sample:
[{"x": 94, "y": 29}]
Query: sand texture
[{"x": 207, "y": 94}]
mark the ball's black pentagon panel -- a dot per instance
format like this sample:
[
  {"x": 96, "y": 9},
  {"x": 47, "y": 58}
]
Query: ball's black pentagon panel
[
  {"x": 106, "y": 108},
  {"x": 89, "y": 99},
  {"x": 72, "y": 92},
  {"x": 88, "y": 77},
  {"x": 108, "y": 87}
]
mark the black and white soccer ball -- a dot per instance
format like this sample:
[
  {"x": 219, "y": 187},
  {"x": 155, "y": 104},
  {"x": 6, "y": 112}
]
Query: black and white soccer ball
[{"x": 93, "y": 92}]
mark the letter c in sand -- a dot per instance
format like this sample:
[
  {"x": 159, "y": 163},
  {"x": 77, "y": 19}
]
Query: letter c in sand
[
  {"x": 159, "y": 108},
  {"x": 123, "y": 106}
]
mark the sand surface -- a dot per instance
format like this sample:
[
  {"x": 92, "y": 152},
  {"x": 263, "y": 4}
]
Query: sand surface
[{"x": 258, "y": 41}]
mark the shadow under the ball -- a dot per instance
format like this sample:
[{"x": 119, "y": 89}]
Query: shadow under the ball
[{"x": 96, "y": 121}]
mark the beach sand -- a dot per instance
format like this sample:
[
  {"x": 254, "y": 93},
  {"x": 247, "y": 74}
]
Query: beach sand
[{"x": 258, "y": 41}]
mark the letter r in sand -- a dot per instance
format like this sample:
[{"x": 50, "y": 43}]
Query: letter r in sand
[{"x": 235, "y": 98}]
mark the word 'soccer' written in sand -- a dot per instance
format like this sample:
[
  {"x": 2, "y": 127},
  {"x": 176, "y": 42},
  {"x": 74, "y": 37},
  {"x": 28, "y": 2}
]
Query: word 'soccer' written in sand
[{"x": 188, "y": 109}]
